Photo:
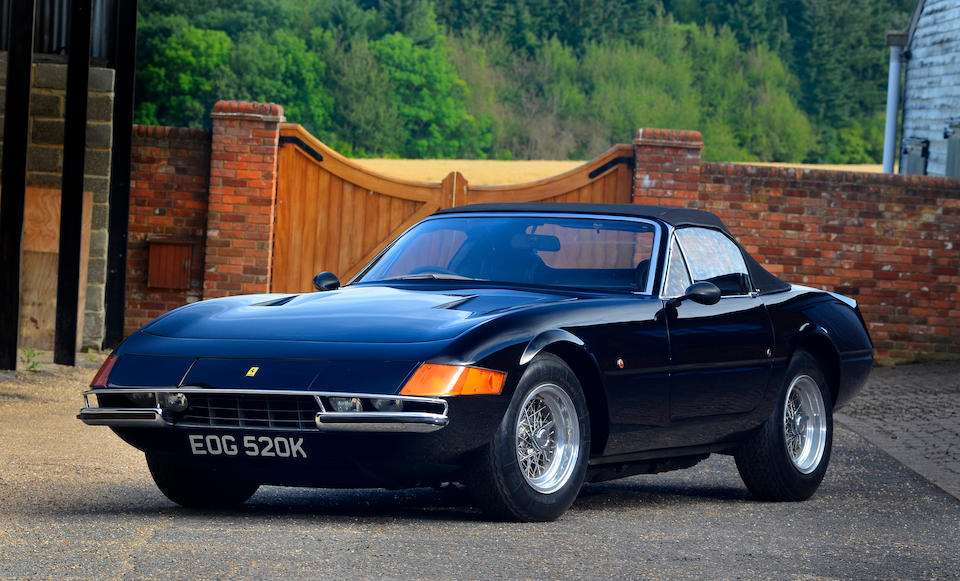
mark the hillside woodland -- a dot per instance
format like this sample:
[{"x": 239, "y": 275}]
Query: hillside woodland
[{"x": 763, "y": 80}]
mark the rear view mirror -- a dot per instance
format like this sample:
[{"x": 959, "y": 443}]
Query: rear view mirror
[
  {"x": 535, "y": 242},
  {"x": 326, "y": 281}
]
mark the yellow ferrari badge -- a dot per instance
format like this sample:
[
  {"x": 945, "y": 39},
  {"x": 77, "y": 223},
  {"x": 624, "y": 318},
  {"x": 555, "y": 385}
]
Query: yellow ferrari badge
[{"x": 252, "y": 371}]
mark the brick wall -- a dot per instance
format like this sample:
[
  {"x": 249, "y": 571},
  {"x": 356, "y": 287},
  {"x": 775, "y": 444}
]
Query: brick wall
[
  {"x": 891, "y": 242},
  {"x": 168, "y": 202},
  {"x": 212, "y": 190},
  {"x": 243, "y": 191}
]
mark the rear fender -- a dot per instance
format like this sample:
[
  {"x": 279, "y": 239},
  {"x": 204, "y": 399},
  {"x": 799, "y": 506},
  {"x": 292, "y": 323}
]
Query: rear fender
[{"x": 816, "y": 340}]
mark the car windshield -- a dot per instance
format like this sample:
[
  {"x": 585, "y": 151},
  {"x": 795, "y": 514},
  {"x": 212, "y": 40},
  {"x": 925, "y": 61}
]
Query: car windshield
[{"x": 593, "y": 253}]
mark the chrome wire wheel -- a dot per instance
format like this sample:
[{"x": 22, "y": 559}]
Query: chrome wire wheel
[
  {"x": 804, "y": 424},
  {"x": 548, "y": 438}
]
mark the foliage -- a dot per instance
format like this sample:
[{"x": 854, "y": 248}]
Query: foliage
[
  {"x": 362, "y": 121},
  {"x": 773, "y": 80},
  {"x": 836, "y": 50},
  {"x": 29, "y": 359},
  {"x": 527, "y": 24},
  {"x": 190, "y": 70},
  {"x": 281, "y": 69},
  {"x": 429, "y": 98},
  {"x": 558, "y": 104}
]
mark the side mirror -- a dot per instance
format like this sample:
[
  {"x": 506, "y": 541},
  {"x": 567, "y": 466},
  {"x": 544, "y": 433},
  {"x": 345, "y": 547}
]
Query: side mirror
[
  {"x": 326, "y": 281},
  {"x": 704, "y": 293}
]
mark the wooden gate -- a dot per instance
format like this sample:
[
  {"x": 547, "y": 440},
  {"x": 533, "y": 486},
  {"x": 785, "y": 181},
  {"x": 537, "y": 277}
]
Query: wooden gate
[
  {"x": 607, "y": 179},
  {"x": 334, "y": 215}
]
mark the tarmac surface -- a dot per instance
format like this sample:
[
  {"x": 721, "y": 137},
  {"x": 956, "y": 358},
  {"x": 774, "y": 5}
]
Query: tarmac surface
[
  {"x": 912, "y": 412},
  {"x": 76, "y": 502}
]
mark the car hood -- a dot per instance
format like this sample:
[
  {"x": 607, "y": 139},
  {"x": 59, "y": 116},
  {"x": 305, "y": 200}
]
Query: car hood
[{"x": 356, "y": 314}]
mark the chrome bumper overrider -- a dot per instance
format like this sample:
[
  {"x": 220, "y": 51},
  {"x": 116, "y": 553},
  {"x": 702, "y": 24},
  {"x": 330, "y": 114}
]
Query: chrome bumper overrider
[{"x": 430, "y": 417}]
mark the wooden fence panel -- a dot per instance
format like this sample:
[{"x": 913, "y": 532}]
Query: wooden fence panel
[
  {"x": 334, "y": 215},
  {"x": 605, "y": 180}
]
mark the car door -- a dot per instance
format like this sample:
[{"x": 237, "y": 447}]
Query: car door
[
  {"x": 720, "y": 355},
  {"x": 632, "y": 355}
]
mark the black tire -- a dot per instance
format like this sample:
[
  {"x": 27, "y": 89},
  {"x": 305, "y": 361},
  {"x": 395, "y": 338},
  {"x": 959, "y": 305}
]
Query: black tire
[
  {"x": 498, "y": 483},
  {"x": 765, "y": 461},
  {"x": 197, "y": 486}
]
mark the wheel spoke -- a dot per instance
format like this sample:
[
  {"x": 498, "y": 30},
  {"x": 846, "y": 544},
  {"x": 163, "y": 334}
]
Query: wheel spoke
[
  {"x": 547, "y": 438},
  {"x": 804, "y": 423}
]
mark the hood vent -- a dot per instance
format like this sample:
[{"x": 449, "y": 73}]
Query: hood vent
[
  {"x": 275, "y": 302},
  {"x": 456, "y": 303}
]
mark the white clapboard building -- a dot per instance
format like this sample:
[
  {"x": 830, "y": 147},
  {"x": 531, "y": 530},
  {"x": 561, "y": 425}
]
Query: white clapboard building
[{"x": 930, "y": 108}]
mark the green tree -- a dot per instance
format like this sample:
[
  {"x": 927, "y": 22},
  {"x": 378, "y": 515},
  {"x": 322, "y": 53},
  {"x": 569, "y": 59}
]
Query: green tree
[
  {"x": 430, "y": 99},
  {"x": 484, "y": 62},
  {"x": 753, "y": 22},
  {"x": 647, "y": 86},
  {"x": 762, "y": 79},
  {"x": 188, "y": 72},
  {"x": 528, "y": 23},
  {"x": 414, "y": 19},
  {"x": 281, "y": 69},
  {"x": 365, "y": 120},
  {"x": 834, "y": 47},
  {"x": 748, "y": 104},
  {"x": 233, "y": 18}
]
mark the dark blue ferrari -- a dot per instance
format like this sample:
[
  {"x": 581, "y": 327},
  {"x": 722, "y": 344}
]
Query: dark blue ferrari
[{"x": 518, "y": 349}]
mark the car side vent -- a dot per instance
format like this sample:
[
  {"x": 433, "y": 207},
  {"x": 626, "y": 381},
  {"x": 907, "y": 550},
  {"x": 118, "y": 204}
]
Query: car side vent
[{"x": 275, "y": 302}]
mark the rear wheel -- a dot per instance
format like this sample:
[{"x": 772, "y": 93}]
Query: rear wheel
[
  {"x": 197, "y": 486},
  {"x": 533, "y": 468},
  {"x": 787, "y": 457}
]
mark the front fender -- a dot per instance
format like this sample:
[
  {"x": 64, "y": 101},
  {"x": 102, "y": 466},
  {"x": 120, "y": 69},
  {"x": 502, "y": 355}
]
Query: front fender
[{"x": 545, "y": 339}]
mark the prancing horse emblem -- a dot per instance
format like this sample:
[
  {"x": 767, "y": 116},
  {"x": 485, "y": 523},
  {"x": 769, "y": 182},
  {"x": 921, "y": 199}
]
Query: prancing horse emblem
[{"x": 252, "y": 371}]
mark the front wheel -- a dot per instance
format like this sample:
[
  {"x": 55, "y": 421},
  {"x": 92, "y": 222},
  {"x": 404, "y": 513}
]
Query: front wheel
[
  {"x": 196, "y": 486},
  {"x": 533, "y": 468},
  {"x": 786, "y": 459}
]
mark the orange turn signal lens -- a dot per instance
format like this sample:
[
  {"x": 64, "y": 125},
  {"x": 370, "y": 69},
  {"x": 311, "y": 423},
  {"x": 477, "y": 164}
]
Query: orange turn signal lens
[
  {"x": 100, "y": 379},
  {"x": 433, "y": 379}
]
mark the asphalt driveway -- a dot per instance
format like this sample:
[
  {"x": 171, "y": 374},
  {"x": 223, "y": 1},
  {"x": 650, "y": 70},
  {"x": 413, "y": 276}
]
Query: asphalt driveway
[{"x": 77, "y": 502}]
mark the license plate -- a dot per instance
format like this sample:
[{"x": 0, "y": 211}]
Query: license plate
[{"x": 248, "y": 445}]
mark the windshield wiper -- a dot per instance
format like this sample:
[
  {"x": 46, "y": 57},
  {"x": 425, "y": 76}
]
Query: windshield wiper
[{"x": 428, "y": 276}]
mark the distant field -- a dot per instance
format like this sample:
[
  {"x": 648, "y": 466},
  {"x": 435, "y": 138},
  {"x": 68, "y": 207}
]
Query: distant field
[
  {"x": 498, "y": 173},
  {"x": 478, "y": 172}
]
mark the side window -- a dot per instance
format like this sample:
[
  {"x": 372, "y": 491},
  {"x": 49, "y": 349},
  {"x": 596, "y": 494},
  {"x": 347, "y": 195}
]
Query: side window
[
  {"x": 712, "y": 257},
  {"x": 678, "y": 279}
]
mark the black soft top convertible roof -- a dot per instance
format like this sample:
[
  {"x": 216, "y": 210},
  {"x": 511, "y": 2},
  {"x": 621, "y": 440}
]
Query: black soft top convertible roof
[
  {"x": 763, "y": 280},
  {"x": 672, "y": 216}
]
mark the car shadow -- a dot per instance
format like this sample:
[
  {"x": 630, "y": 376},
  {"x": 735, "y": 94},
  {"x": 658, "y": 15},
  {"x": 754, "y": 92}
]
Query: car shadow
[
  {"x": 451, "y": 503},
  {"x": 629, "y": 493},
  {"x": 273, "y": 501}
]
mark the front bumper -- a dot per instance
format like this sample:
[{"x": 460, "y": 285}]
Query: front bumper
[{"x": 260, "y": 409}]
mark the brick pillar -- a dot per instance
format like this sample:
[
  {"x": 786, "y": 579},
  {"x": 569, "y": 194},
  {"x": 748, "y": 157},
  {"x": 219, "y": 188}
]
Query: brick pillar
[
  {"x": 243, "y": 190},
  {"x": 667, "y": 171}
]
